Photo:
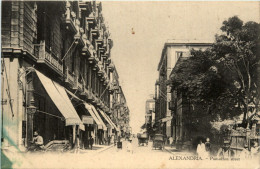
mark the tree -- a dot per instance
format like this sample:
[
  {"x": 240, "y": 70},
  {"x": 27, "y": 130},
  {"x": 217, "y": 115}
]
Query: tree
[
  {"x": 237, "y": 55},
  {"x": 223, "y": 79}
]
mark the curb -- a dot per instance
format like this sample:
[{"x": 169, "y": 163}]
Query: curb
[
  {"x": 104, "y": 149},
  {"x": 169, "y": 151}
]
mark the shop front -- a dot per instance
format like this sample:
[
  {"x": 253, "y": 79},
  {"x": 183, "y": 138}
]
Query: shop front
[{"x": 55, "y": 117}]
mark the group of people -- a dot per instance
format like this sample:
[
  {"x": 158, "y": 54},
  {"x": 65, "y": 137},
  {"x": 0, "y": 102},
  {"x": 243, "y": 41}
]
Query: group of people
[
  {"x": 204, "y": 149},
  {"x": 254, "y": 151}
]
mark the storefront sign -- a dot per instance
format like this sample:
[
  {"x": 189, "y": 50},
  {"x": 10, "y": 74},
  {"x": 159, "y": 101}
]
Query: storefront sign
[{"x": 87, "y": 120}]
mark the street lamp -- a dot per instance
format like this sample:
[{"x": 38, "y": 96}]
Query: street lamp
[{"x": 31, "y": 109}]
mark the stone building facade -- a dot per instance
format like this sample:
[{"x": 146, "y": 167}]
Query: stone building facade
[
  {"x": 56, "y": 73},
  {"x": 165, "y": 116}
]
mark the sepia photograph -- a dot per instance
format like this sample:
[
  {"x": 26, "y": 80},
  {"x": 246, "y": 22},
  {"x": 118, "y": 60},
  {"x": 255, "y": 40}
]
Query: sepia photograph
[{"x": 121, "y": 84}]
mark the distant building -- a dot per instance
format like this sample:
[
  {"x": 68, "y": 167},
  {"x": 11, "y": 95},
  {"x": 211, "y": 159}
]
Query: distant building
[
  {"x": 149, "y": 111},
  {"x": 172, "y": 51}
]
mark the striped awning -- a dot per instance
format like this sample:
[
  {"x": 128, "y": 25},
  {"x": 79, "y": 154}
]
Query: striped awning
[
  {"x": 93, "y": 114},
  {"x": 108, "y": 119},
  {"x": 61, "y": 100}
]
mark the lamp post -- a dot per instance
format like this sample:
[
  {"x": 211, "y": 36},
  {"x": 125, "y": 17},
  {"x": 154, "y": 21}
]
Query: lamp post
[{"x": 31, "y": 110}]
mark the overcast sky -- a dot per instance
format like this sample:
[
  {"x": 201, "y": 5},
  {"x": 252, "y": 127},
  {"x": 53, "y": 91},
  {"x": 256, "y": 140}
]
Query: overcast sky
[{"x": 137, "y": 55}]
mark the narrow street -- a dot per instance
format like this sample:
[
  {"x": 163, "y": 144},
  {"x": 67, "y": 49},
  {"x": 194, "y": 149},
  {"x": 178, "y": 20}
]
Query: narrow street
[
  {"x": 142, "y": 157},
  {"x": 80, "y": 78}
]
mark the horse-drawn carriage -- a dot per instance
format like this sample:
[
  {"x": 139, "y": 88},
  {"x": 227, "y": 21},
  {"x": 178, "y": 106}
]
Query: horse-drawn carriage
[
  {"x": 158, "y": 141},
  {"x": 142, "y": 139}
]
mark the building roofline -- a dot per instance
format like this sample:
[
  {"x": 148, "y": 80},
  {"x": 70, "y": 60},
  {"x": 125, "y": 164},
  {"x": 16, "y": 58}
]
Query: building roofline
[{"x": 182, "y": 42}]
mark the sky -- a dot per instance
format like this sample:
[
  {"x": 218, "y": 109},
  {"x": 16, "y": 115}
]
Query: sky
[{"x": 140, "y": 29}]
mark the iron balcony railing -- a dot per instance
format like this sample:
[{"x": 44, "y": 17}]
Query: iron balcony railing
[{"x": 47, "y": 57}]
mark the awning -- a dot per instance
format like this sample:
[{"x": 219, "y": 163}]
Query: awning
[
  {"x": 93, "y": 114},
  {"x": 106, "y": 117},
  {"x": 99, "y": 118},
  {"x": 110, "y": 121},
  {"x": 61, "y": 100},
  {"x": 166, "y": 119}
]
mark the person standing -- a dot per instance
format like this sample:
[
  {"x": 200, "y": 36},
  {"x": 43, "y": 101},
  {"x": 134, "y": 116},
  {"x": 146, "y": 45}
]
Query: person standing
[
  {"x": 171, "y": 141},
  {"x": 244, "y": 155},
  {"x": 208, "y": 147},
  {"x": 255, "y": 150},
  {"x": 201, "y": 151},
  {"x": 108, "y": 140},
  {"x": 113, "y": 138},
  {"x": 224, "y": 151},
  {"x": 91, "y": 140},
  {"x": 129, "y": 147}
]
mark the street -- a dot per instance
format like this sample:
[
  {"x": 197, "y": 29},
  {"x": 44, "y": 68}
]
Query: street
[{"x": 142, "y": 157}]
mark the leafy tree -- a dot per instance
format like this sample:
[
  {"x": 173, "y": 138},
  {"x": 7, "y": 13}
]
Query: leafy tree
[{"x": 223, "y": 80}]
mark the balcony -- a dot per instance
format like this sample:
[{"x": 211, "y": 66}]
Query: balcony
[
  {"x": 105, "y": 56},
  {"x": 69, "y": 19},
  {"x": 91, "y": 19},
  {"x": 94, "y": 32},
  {"x": 92, "y": 59},
  {"x": 79, "y": 40},
  {"x": 90, "y": 97},
  {"x": 106, "y": 79},
  {"x": 99, "y": 103},
  {"x": 95, "y": 100},
  {"x": 111, "y": 88},
  {"x": 79, "y": 85},
  {"x": 110, "y": 42},
  {"x": 47, "y": 58},
  {"x": 85, "y": 92},
  {"x": 99, "y": 42},
  {"x": 111, "y": 67},
  {"x": 84, "y": 6},
  {"x": 101, "y": 69}
]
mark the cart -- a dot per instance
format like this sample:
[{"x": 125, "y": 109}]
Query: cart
[
  {"x": 142, "y": 139},
  {"x": 158, "y": 141}
]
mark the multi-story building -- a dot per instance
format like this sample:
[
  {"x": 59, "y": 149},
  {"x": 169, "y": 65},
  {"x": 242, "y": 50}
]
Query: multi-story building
[
  {"x": 180, "y": 104},
  {"x": 172, "y": 51},
  {"x": 56, "y": 72},
  {"x": 149, "y": 111},
  {"x": 119, "y": 105},
  {"x": 149, "y": 115}
]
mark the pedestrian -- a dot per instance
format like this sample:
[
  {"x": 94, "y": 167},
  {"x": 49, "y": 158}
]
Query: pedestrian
[
  {"x": 171, "y": 141},
  {"x": 129, "y": 147},
  {"x": 91, "y": 140},
  {"x": 77, "y": 144},
  {"x": 201, "y": 151},
  {"x": 224, "y": 151},
  {"x": 37, "y": 142},
  {"x": 255, "y": 150},
  {"x": 112, "y": 138},
  {"x": 208, "y": 147},
  {"x": 108, "y": 140},
  {"x": 244, "y": 155}
]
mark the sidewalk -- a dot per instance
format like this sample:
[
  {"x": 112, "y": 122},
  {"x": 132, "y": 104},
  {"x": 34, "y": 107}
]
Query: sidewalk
[
  {"x": 96, "y": 148},
  {"x": 173, "y": 150}
]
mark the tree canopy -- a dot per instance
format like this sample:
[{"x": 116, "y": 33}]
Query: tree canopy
[{"x": 224, "y": 78}]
